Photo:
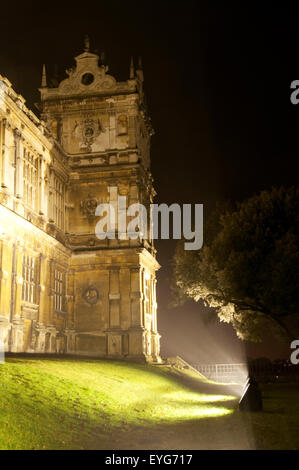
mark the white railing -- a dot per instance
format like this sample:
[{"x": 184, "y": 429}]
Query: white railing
[{"x": 223, "y": 372}]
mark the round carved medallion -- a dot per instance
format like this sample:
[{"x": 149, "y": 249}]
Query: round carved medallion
[{"x": 91, "y": 295}]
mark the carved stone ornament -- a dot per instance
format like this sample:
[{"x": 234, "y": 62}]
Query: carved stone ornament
[
  {"x": 87, "y": 131},
  {"x": 87, "y": 76},
  {"x": 91, "y": 295},
  {"x": 89, "y": 205}
]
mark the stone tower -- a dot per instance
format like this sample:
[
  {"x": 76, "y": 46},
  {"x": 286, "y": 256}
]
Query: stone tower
[{"x": 102, "y": 128}]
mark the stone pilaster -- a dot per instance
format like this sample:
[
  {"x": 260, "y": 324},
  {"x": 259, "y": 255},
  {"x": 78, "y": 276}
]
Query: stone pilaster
[
  {"x": 114, "y": 298},
  {"x": 17, "y": 335},
  {"x": 70, "y": 340},
  {"x": 132, "y": 131},
  {"x": 136, "y": 298},
  {"x": 43, "y": 209},
  {"x": 155, "y": 339},
  {"x": 18, "y": 280},
  {"x": 125, "y": 301},
  {"x": 40, "y": 332},
  {"x": 4, "y": 154},
  {"x": 43, "y": 290},
  {"x": 112, "y": 129},
  {"x": 70, "y": 298},
  {"x": 5, "y": 272},
  {"x": 5, "y": 328}
]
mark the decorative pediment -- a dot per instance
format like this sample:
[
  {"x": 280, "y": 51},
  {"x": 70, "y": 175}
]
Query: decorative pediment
[
  {"x": 90, "y": 77},
  {"x": 86, "y": 77}
]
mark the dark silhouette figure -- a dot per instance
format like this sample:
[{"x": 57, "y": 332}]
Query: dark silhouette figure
[{"x": 251, "y": 399}]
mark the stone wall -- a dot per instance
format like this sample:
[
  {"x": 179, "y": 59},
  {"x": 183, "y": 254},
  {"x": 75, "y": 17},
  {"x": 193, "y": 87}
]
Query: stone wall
[{"x": 62, "y": 290}]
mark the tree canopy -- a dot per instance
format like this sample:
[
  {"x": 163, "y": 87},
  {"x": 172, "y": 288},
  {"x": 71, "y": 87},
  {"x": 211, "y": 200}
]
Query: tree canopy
[{"x": 248, "y": 266}]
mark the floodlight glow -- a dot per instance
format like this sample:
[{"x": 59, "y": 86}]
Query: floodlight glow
[
  {"x": 186, "y": 405},
  {"x": 193, "y": 412}
]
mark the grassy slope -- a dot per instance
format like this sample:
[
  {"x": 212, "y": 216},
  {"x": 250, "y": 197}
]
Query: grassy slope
[{"x": 52, "y": 403}]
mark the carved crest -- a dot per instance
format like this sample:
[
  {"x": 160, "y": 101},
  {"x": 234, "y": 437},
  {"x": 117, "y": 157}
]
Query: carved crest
[
  {"x": 87, "y": 131},
  {"x": 89, "y": 205},
  {"x": 91, "y": 295}
]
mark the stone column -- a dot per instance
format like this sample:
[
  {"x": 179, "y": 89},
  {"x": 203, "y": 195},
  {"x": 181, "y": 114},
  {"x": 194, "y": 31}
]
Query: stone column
[
  {"x": 155, "y": 335},
  {"x": 19, "y": 164},
  {"x": 4, "y": 153},
  {"x": 136, "y": 298},
  {"x": 17, "y": 332},
  {"x": 113, "y": 193},
  {"x": 51, "y": 292},
  {"x": 41, "y": 338},
  {"x": 5, "y": 325},
  {"x": 43, "y": 187},
  {"x": 5, "y": 270},
  {"x": 114, "y": 332},
  {"x": 112, "y": 130},
  {"x": 136, "y": 332},
  {"x": 17, "y": 335},
  {"x": 4, "y": 331},
  {"x": 13, "y": 341},
  {"x": 48, "y": 335},
  {"x": 133, "y": 194},
  {"x": 18, "y": 280},
  {"x": 114, "y": 298},
  {"x": 132, "y": 131},
  {"x": 154, "y": 307},
  {"x": 1, "y": 149},
  {"x": 70, "y": 340},
  {"x": 142, "y": 283},
  {"x": 44, "y": 281},
  {"x": 70, "y": 298},
  {"x": 50, "y": 193},
  {"x": 125, "y": 304}
]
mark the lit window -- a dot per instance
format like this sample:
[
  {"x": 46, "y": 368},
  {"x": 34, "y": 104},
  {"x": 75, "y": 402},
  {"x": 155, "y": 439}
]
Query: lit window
[
  {"x": 29, "y": 273},
  {"x": 59, "y": 282},
  {"x": 30, "y": 179},
  {"x": 58, "y": 203}
]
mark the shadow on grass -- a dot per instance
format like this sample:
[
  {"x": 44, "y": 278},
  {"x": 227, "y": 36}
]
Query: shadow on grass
[{"x": 221, "y": 432}]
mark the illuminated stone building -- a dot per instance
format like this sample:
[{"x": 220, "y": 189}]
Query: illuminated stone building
[{"x": 62, "y": 290}]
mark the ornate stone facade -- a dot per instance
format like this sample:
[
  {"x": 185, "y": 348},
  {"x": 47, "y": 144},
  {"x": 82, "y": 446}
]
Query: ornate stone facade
[{"x": 62, "y": 290}]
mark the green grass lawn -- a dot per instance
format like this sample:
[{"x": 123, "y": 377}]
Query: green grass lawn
[{"x": 54, "y": 403}]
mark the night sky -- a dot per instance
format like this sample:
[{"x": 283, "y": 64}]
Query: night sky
[{"x": 217, "y": 82}]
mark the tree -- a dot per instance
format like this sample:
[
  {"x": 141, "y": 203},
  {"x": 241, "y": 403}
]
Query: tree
[{"x": 247, "y": 268}]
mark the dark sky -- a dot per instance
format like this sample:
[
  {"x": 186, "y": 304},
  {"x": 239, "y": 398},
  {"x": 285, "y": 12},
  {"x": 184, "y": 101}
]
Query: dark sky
[{"x": 217, "y": 81}]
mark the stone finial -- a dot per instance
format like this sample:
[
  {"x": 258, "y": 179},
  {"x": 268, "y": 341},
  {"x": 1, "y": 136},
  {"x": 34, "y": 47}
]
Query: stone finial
[
  {"x": 86, "y": 43},
  {"x": 139, "y": 71},
  {"x": 44, "y": 77},
  {"x": 132, "y": 71}
]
